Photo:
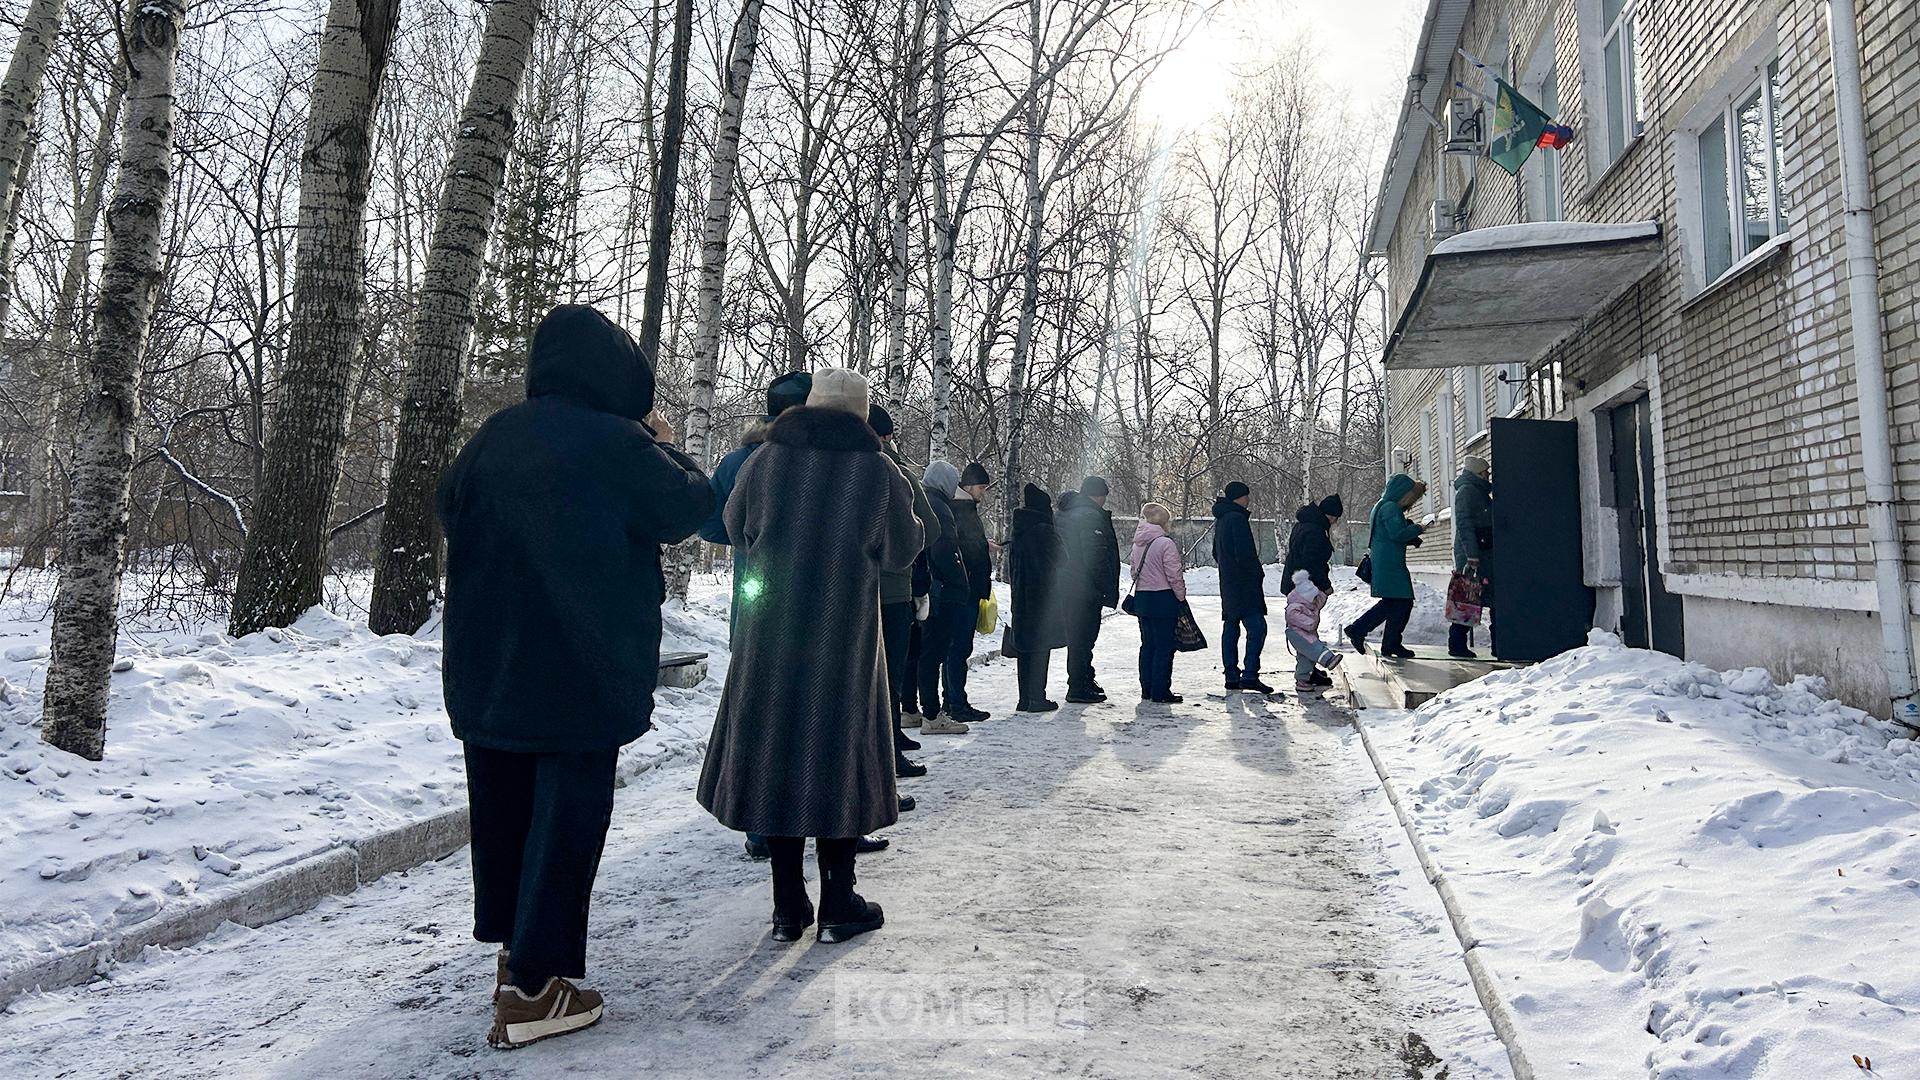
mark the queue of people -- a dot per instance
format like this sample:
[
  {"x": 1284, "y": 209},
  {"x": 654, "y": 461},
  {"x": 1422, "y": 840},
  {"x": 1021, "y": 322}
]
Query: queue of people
[{"x": 858, "y": 585}]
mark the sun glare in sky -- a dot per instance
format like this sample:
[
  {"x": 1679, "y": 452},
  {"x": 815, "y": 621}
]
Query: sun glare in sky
[{"x": 1194, "y": 83}]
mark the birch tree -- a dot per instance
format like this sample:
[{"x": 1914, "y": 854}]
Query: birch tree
[
  {"x": 407, "y": 567},
  {"x": 284, "y": 559},
  {"x": 716, "y": 228},
  {"x": 19, "y": 101},
  {"x": 87, "y": 599}
]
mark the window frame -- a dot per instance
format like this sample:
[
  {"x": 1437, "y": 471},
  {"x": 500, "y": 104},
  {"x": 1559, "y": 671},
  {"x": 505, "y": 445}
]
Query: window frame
[
  {"x": 1620, "y": 82},
  {"x": 1741, "y": 246}
]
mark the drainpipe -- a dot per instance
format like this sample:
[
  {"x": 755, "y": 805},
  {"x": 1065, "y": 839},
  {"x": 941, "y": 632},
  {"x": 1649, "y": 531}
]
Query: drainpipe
[{"x": 1869, "y": 364}]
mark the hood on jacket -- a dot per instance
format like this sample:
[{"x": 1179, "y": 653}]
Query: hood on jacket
[
  {"x": 1145, "y": 534},
  {"x": 1223, "y": 506},
  {"x": 941, "y": 477},
  {"x": 1313, "y": 515},
  {"x": 1397, "y": 487},
  {"x": 579, "y": 354},
  {"x": 1033, "y": 498},
  {"x": 1070, "y": 500},
  {"x": 757, "y": 433},
  {"x": 1474, "y": 482},
  {"x": 820, "y": 428}
]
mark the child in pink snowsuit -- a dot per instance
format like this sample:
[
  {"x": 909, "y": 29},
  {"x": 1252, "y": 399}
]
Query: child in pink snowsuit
[{"x": 1303, "y": 632}]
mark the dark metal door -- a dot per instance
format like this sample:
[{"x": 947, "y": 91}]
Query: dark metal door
[
  {"x": 1652, "y": 617},
  {"x": 1542, "y": 605},
  {"x": 1635, "y": 628}
]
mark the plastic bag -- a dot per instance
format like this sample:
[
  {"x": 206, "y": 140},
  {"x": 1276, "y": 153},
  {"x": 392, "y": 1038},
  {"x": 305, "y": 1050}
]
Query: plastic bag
[{"x": 989, "y": 616}]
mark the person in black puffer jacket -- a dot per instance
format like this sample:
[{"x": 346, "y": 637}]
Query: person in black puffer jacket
[
  {"x": 1243, "y": 595},
  {"x": 976, "y": 554},
  {"x": 554, "y": 514},
  {"x": 1310, "y": 548},
  {"x": 1089, "y": 580}
]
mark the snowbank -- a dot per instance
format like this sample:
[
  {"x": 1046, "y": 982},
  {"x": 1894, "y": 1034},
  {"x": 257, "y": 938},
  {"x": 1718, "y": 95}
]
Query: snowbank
[
  {"x": 230, "y": 758},
  {"x": 1676, "y": 872},
  {"x": 1351, "y": 599}
]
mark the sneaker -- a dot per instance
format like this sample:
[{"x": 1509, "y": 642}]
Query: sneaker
[
  {"x": 909, "y": 718},
  {"x": 1255, "y": 686},
  {"x": 905, "y": 769},
  {"x": 901, "y": 741},
  {"x": 560, "y": 1008},
  {"x": 940, "y": 724}
]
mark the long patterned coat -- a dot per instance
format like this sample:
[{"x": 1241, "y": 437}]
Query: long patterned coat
[{"x": 803, "y": 744}]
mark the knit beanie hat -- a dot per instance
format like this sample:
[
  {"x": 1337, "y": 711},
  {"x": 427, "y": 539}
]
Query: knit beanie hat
[
  {"x": 839, "y": 388},
  {"x": 788, "y": 391},
  {"x": 1331, "y": 506},
  {"x": 880, "y": 420},
  {"x": 1235, "y": 490},
  {"x": 974, "y": 473},
  {"x": 1093, "y": 486}
]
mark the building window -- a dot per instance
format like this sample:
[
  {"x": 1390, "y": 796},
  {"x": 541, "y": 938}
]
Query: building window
[
  {"x": 1620, "y": 78},
  {"x": 1429, "y": 438},
  {"x": 1476, "y": 400},
  {"x": 1546, "y": 203},
  {"x": 1742, "y": 204},
  {"x": 1448, "y": 438}
]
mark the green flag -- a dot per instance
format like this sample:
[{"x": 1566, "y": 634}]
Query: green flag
[{"x": 1517, "y": 127}]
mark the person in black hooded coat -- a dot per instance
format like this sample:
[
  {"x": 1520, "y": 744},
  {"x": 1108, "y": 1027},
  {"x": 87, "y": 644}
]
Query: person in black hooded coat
[
  {"x": 1038, "y": 625},
  {"x": 1089, "y": 580},
  {"x": 554, "y": 514},
  {"x": 1310, "y": 544}
]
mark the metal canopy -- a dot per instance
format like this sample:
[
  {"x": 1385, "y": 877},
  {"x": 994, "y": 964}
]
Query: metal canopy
[{"x": 1509, "y": 293}]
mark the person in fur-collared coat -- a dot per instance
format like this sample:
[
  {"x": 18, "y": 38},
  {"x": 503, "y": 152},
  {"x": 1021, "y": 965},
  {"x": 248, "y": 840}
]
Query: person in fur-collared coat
[{"x": 802, "y": 745}]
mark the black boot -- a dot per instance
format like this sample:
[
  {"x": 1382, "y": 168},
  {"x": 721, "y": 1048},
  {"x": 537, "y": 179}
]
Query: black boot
[
  {"x": 844, "y": 914},
  {"x": 792, "y": 908},
  {"x": 905, "y": 767},
  {"x": 1457, "y": 642},
  {"x": 902, "y": 741}
]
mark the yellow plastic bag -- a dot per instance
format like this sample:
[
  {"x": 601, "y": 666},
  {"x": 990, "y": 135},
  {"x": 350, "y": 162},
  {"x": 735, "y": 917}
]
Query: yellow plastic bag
[{"x": 989, "y": 616}]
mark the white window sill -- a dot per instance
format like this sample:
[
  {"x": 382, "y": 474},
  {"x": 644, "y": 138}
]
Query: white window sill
[{"x": 1754, "y": 260}]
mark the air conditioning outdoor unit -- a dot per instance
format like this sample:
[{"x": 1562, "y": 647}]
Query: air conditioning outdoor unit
[
  {"x": 1446, "y": 220},
  {"x": 1466, "y": 132}
]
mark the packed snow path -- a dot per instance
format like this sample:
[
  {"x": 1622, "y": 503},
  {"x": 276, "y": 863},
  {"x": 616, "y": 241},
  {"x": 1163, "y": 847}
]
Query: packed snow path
[{"x": 1215, "y": 890}]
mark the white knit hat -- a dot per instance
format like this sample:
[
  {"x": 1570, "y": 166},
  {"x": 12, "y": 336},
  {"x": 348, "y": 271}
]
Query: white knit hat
[{"x": 839, "y": 388}]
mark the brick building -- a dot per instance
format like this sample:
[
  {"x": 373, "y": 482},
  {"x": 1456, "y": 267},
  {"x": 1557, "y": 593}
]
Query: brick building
[{"x": 1690, "y": 321}]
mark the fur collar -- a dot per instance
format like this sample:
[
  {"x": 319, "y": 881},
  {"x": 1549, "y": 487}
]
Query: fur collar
[
  {"x": 756, "y": 434},
  {"x": 822, "y": 429}
]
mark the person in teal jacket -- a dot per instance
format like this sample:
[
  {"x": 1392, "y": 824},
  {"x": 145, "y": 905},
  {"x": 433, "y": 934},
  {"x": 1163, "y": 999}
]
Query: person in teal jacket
[{"x": 1392, "y": 535}]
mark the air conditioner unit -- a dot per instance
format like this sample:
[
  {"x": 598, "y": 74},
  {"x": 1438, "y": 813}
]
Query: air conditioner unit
[
  {"x": 1446, "y": 220},
  {"x": 1466, "y": 131}
]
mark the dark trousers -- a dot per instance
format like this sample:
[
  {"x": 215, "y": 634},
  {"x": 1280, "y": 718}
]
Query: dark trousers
[
  {"x": 1032, "y": 676},
  {"x": 1391, "y": 611},
  {"x": 539, "y": 824},
  {"x": 935, "y": 637},
  {"x": 962, "y": 617},
  {"x": 1157, "y": 611},
  {"x": 1256, "y": 624},
  {"x": 908, "y": 688},
  {"x": 896, "y": 626},
  {"x": 1083, "y": 630},
  {"x": 1459, "y": 638}
]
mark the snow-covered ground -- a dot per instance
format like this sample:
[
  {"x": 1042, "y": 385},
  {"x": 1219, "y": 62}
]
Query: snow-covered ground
[
  {"x": 1120, "y": 890},
  {"x": 227, "y": 759},
  {"x": 1674, "y": 872}
]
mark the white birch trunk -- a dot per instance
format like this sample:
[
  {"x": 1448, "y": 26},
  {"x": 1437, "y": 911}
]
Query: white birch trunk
[
  {"x": 282, "y": 568},
  {"x": 19, "y": 100},
  {"x": 716, "y": 230},
  {"x": 944, "y": 231},
  {"x": 406, "y": 577},
  {"x": 87, "y": 599},
  {"x": 1029, "y": 272}
]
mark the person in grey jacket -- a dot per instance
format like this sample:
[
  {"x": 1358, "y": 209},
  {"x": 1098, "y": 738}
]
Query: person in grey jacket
[{"x": 1472, "y": 537}]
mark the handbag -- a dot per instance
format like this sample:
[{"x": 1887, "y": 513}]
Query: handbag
[
  {"x": 1187, "y": 636},
  {"x": 989, "y": 616},
  {"x": 1126, "y": 603},
  {"x": 1365, "y": 570},
  {"x": 1464, "y": 596}
]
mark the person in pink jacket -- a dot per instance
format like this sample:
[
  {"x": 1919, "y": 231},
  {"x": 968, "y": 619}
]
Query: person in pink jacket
[
  {"x": 1159, "y": 591},
  {"x": 1303, "y": 633}
]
